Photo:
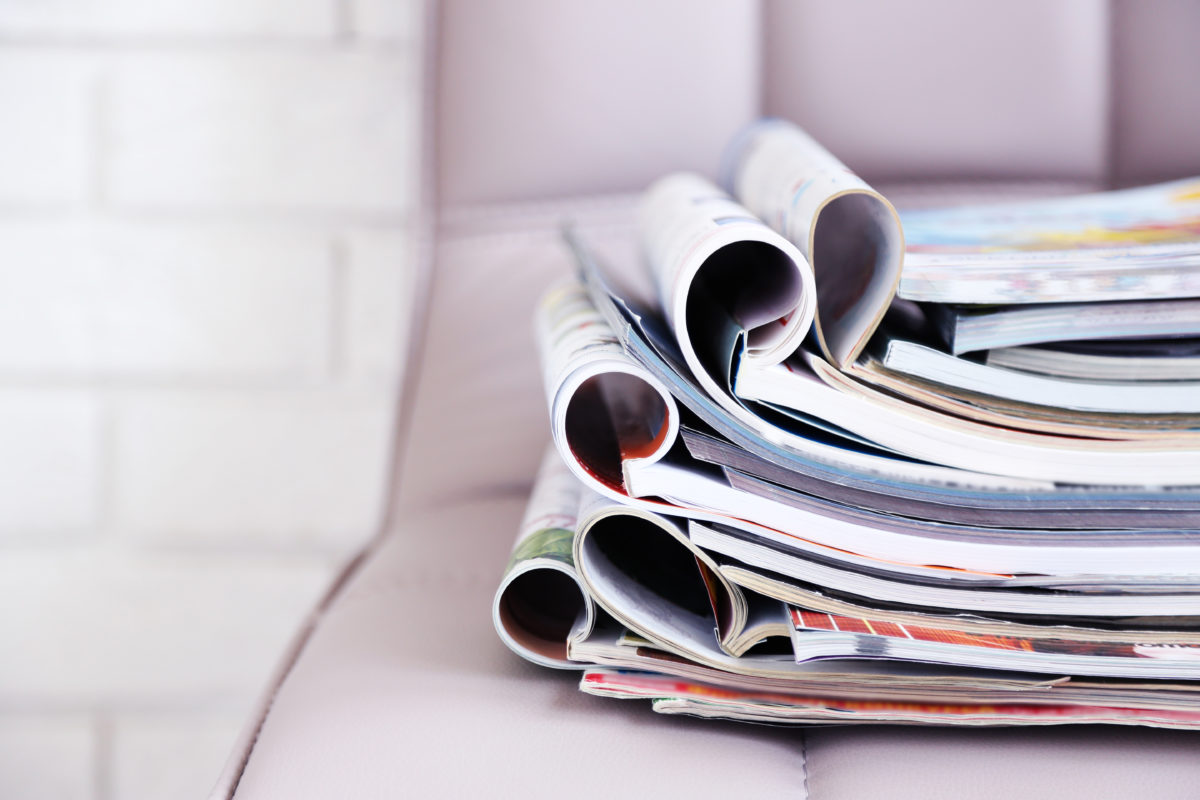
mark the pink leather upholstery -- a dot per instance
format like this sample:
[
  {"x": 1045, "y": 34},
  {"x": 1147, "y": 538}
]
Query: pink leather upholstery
[
  {"x": 1155, "y": 103},
  {"x": 398, "y": 687},
  {"x": 930, "y": 89}
]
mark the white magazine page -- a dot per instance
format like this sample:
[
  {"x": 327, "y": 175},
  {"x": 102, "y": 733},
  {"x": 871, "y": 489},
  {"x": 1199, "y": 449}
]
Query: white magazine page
[
  {"x": 660, "y": 620},
  {"x": 541, "y": 603},
  {"x": 942, "y": 438},
  {"x": 848, "y": 232},
  {"x": 612, "y": 536},
  {"x": 606, "y": 410},
  {"x": 719, "y": 268}
]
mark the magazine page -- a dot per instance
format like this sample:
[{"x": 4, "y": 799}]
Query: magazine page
[
  {"x": 718, "y": 268},
  {"x": 662, "y": 574},
  {"x": 541, "y": 603},
  {"x": 605, "y": 409},
  {"x": 775, "y": 572},
  {"x": 848, "y": 232},
  {"x": 941, "y": 438}
]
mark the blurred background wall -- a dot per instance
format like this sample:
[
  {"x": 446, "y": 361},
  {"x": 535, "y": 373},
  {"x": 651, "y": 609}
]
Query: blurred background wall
[{"x": 204, "y": 264}]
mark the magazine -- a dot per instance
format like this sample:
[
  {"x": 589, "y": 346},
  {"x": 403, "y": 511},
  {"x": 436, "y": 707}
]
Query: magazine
[
  {"x": 777, "y": 563},
  {"x": 811, "y": 385},
  {"x": 674, "y": 696},
  {"x": 968, "y": 330},
  {"x": 614, "y": 648},
  {"x": 818, "y": 634},
  {"x": 1066, "y": 508},
  {"x": 1152, "y": 369},
  {"x": 1130, "y": 402},
  {"x": 1133, "y": 244},
  {"x": 605, "y": 410},
  {"x": 848, "y": 232},
  {"x": 642, "y": 569},
  {"x": 541, "y": 604},
  {"x": 712, "y": 260},
  {"x": 611, "y": 645}
]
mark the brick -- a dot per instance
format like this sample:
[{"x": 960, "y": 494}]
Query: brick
[
  {"x": 44, "y": 140},
  {"x": 49, "y": 461},
  {"x": 88, "y": 299},
  {"x": 49, "y": 757},
  {"x": 379, "y": 283},
  {"x": 170, "y": 756},
  {"x": 320, "y": 131},
  {"x": 73, "y": 18},
  {"x": 85, "y": 627},
  {"x": 284, "y": 469},
  {"x": 393, "y": 20}
]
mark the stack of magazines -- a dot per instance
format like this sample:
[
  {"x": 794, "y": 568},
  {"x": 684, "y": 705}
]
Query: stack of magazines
[{"x": 813, "y": 464}]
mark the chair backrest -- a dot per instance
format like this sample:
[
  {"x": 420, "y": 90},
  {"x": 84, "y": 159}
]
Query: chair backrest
[{"x": 537, "y": 103}]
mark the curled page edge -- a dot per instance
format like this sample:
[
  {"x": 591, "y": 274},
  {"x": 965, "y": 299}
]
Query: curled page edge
[
  {"x": 784, "y": 176},
  {"x": 578, "y": 345},
  {"x": 684, "y": 221},
  {"x": 730, "y": 635},
  {"x": 552, "y": 512}
]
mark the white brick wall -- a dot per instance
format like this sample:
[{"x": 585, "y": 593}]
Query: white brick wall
[
  {"x": 47, "y": 756},
  {"x": 70, "y": 19},
  {"x": 377, "y": 296},
  {"x": 274, "y": 131},
  {"x": 282, "y": 467},
  {"x": 49, "y": 464},
  {"x": 137, "y": 300},
  {"x": 205, "y": 278},
  {"x": 386, "y": 19},
  {"x": 45, "y": 147}
]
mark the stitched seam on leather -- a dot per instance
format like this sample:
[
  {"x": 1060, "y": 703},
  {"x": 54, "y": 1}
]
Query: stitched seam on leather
[
  {"x": 292, "y": 657},
  {"x": 804, "y": 765}
]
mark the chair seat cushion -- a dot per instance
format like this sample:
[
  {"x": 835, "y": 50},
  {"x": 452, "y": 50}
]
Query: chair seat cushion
[{"x": 403, "y": 689}]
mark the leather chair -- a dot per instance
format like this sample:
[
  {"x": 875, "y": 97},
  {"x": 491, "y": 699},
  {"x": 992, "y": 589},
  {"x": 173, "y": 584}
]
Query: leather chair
[{"x": 397, "y": 686}]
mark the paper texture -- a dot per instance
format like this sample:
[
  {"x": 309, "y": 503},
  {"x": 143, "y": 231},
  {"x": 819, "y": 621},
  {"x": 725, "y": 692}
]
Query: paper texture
[{"x": 848, "y": 232}]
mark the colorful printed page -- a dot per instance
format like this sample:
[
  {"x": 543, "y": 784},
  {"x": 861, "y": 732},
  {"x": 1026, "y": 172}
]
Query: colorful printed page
[
  {"x": 1132, "y": 244},
  {"x": 1053, "y": 652}
]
